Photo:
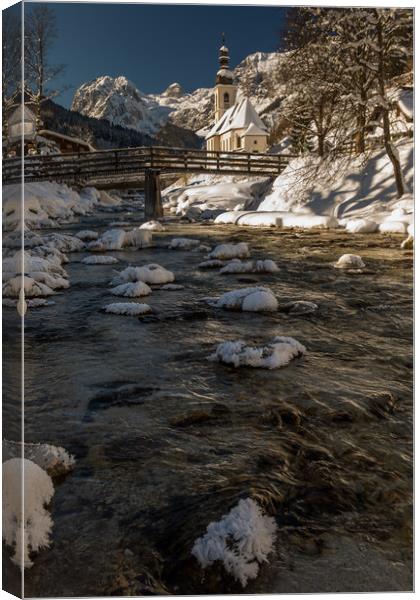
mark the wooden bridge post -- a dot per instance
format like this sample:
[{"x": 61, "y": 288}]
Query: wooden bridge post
[{"x": 153, "y": 208}]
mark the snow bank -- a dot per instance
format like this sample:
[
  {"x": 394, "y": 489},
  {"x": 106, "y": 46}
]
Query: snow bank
[
  {"x": 132, "y": 290},
  {"x": 226, "y": 251},
  {"x": 258, "y": 266},
  {"x": 183, "y": 244},
  {"x": 55, "y": 460},
  {"x": 348, "y": 188},
  {"x": 100, "y": 260},
  {"x": 153, "y": 226},
  {"x": 127, "y": 308},
  {"x": 116, "y": 239},
  {"x": 153, "y": 274},
  {"x": 277, "y": 219},
  {"x": 241, "y": 540},
  {"x": 254, "y": 299},
  {"x": 35, "y": 530},
  {"x": 46, "y": 204},
  {"x": 349, "y": 261},
  {"x": 208, "y": 195},
  {"x": 276, "y": 353}
]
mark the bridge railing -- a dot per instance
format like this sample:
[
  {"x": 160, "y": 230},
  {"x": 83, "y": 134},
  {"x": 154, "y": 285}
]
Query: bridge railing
[{"x": 85, "y": 165}]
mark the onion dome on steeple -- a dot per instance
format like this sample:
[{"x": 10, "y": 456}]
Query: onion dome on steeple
[{"x": 224, "y": 74}]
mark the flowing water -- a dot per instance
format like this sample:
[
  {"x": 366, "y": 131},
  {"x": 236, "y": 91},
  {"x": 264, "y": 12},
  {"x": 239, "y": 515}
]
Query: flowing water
[{"x": 167, "y": 441}]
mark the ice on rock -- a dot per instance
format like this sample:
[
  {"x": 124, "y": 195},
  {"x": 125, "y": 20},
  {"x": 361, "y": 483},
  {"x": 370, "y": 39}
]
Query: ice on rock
[
  {"x": 86, "y": 235},
  {"x": 183, "y": 243},
  {"x": 135, "y": 289},
  {"x": 100, "y": 260},
  {"x": 259, "y": 266},
  {"x": 116, "y": 239},
  {"x": 138, "y": 238},
  {"x": 241, "y": 540},
  {"x": 113, "y": 239},
  {"x": 361, "y": 226},
  {"x": 273, "y": 355},
  {"x": 64, "y": 243},
  {"x": 55, "y": 460},
  {"x": 349, "y": 261},
  {"x": 153, "y": 274},
  {"x": 254, "y": 299},
  {"x": 131, "y": 309},
  {"x": 211, "y": 264},
  {"x": 32, "y": 534},
  {"x": 228, "y": 251},
  {"x": 153, "y": 226},
  {"x": 32, "y": 288}
]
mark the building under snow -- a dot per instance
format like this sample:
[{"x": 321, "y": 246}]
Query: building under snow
[{"x": 237, "y": 125}]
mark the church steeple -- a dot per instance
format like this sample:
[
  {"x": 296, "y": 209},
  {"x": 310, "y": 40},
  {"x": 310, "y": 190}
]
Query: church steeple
[
  {"x": 225, "y": 90},
  {"x": 224, "y": 75}
]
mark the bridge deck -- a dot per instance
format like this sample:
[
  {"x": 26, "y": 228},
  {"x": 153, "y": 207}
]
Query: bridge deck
[{"x": 115, "y": 164}]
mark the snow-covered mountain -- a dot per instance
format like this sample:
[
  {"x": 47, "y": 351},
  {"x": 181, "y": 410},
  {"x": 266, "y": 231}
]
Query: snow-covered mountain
[{"x": 120, "y": 102}]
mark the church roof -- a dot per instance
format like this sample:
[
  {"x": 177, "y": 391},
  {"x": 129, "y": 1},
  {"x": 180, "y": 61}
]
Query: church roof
[
  {"x": 254, "y": 130},
  {"x": 239, "y": 116}
]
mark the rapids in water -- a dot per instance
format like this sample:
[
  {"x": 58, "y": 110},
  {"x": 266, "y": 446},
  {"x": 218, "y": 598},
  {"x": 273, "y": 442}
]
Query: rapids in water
[{"x": 166, "y": 441}]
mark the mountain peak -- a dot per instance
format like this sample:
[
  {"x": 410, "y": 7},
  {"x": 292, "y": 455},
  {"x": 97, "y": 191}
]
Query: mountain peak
[{"x": 174, "y": 91}]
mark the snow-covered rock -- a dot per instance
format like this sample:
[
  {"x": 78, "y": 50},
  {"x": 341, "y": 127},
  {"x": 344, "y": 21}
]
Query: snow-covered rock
[
  {"x": 32, "y": 288},
  {"x": 258, "y": 266},
  {"x": 133, "y": 289},
  {"x": 228, "y": 251},
  {"x": 361, "y": 226},
  {"x": 393, "y": 227},
  {"x": 100, "y": 260},
  {"x": 213, "y": 263},
  {"x": 241, "y": 540},
  {"x": 349, "y": 261},
  {"x": 182, "y": 243},
  {"x": 153, "y": 274},
  {"x": 127, "y": 308},
  {"x": 254, "y": 299},
  {"x": 272, "y": 355},
  {"x": 32, "y": 534},
  {"x": 116, "y": 239},
  {"x": 153, "y": 226},
  {"x": 87, "y": 235},
  {"x": 277, "y": 219},
  {"x": 55, "y": 460}
]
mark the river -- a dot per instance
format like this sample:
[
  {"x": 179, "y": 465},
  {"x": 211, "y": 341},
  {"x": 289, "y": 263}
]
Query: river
[{"x": 166, "y": 441}]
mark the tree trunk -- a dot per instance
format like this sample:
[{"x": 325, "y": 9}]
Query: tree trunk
[
  {"x": 361, "y": 128},
  {"x": 389, "y": 146}
]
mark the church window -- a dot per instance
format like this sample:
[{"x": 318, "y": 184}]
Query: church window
[{"x": 226, "y": 99}]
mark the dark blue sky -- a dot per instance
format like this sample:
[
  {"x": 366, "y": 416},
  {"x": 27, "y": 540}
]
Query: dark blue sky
[{"x": 156, "y": 45}]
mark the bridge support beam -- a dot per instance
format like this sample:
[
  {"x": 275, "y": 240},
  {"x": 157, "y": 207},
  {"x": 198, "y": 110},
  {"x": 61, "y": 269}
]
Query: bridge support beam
[{"x": 153, "y": 208}]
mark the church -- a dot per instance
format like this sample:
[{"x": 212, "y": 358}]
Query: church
[{"x": 237, "y": 125}]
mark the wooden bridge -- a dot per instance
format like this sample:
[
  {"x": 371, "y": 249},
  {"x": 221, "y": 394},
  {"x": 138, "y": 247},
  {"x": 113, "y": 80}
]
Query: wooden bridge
[{"x": 139, "y": 166}]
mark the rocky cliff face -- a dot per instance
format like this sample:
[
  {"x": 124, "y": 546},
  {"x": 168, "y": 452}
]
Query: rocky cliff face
[{"x": 121, "y": 103}]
